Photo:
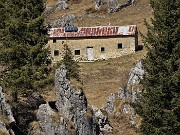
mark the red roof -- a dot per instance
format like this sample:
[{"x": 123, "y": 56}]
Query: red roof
[{"x": 94, "y": 31}]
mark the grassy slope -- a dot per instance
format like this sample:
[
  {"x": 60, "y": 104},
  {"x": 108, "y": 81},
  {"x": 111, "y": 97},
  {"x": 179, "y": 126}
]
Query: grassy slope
[
  {"x": 84, "y": 9},
  {"x": 104, "y": 77},
  {"x": 101, "y": 78}
]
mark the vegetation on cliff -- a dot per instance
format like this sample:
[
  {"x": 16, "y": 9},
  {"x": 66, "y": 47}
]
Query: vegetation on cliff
[
  {"x": 160, "y": 102},
  {"x": 71, "y": 65}
]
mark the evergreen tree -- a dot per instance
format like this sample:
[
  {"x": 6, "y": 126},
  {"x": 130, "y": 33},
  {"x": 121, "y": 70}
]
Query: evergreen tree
[
  {"x": 2, "y": 17},
  {"x": 71, "y": 65},
  {"x": 22, "y": 50},
  {"x": 23, "y": 40},
  {"x": 159, "y": 105}
]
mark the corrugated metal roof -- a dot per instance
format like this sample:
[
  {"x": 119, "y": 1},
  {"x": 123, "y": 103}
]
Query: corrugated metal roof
[{"x": 94, "y": 31}]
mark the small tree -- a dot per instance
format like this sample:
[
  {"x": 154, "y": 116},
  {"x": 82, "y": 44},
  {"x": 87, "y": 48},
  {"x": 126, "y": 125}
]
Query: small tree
[{"x": 71, "y": 65}]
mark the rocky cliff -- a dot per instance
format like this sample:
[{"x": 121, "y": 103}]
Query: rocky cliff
[{"x": 70, "y": 114}]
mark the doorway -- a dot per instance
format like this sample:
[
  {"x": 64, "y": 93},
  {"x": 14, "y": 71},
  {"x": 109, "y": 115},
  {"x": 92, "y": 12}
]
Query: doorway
[{"x": 90, "y": 56}]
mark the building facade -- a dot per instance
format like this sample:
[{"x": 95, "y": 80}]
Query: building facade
[{"x": 93, "y": 43}]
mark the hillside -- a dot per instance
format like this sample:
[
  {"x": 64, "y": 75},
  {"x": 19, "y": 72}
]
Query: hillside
[
  {"x": 115, "y": 92},
  {"x": 105, "y": 76},
  {"x": 101, "y": 78},
  {"x": 86, "y": 15}
]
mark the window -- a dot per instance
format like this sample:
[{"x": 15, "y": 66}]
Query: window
[
  {"x": 56, "y": 52},
  {"x": 102, "y": 49},
  {"x": 119, "y": 45},
  {"x": 54, "y": 40},
  {"x": 77, "y": 52}
]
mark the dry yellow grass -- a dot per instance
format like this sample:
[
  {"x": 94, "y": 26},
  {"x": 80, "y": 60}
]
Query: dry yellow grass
[
  {"x": 3, "y": 132},
  {"x": 49, "y": 95},
  {"x": 101, "y": 78},
  {"x": 121, "y": 127},
  {"x": 85, "y": 10},
  {"x": 76, "y": 84},
  {"x": 35, "y": 127}
]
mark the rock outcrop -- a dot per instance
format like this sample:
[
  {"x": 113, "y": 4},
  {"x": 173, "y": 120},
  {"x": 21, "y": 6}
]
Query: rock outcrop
[
  {"x": 51, "y": 121},
  {"x": 65, "y": 20},
  {"x": 60, "y": 5},
  {"x": 113, "y": 5},
  {"x": 99, "y": 3},
  {"x": 70, "y": 114},
  {"x": 101, "y": 118},
  {"x": 122, "y": 103},
  {"x": 72, "y": 103},
  {"x": 6, "y": 114},
  {"x": 136, "y": 74},
  {"x": 110, "y": 104}
]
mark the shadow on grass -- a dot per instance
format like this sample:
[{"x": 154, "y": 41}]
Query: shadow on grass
[{"x": 140, "y": 47}]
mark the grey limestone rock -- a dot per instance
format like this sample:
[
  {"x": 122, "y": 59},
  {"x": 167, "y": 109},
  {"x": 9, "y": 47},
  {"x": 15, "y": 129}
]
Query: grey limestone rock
[
  {"x": 113, "y": 5},
  {"x": 99, "y": 3},
  {"x": 71, "y": 115},
  {"x": 135, "y": 74},
  {"x": 60, "y": 5},
  {"x": 50, "y": 121},
  {"x": 101, "y": 116},
  {"x": 121, "y": 94},
  {"x": 5, "y": 107},
  {"x": 72, "y": 103},
  {"x": 128, "y": 95},
  {"x": 5, "y": 110},
  {"x": 110, "y": 104},
  {"x": 64, "y": 21}
]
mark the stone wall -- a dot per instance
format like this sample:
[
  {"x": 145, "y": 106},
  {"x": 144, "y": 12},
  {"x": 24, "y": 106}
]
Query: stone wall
[{"x": 110, "y": 45}]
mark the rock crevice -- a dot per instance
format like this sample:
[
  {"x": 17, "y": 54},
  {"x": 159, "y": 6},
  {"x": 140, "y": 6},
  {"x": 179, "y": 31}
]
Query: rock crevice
[{"x": 71, "y": 114}]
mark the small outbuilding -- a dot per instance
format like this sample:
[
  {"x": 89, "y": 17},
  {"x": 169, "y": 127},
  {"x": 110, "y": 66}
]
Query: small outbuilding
[{"x": 93, "y": 43}]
